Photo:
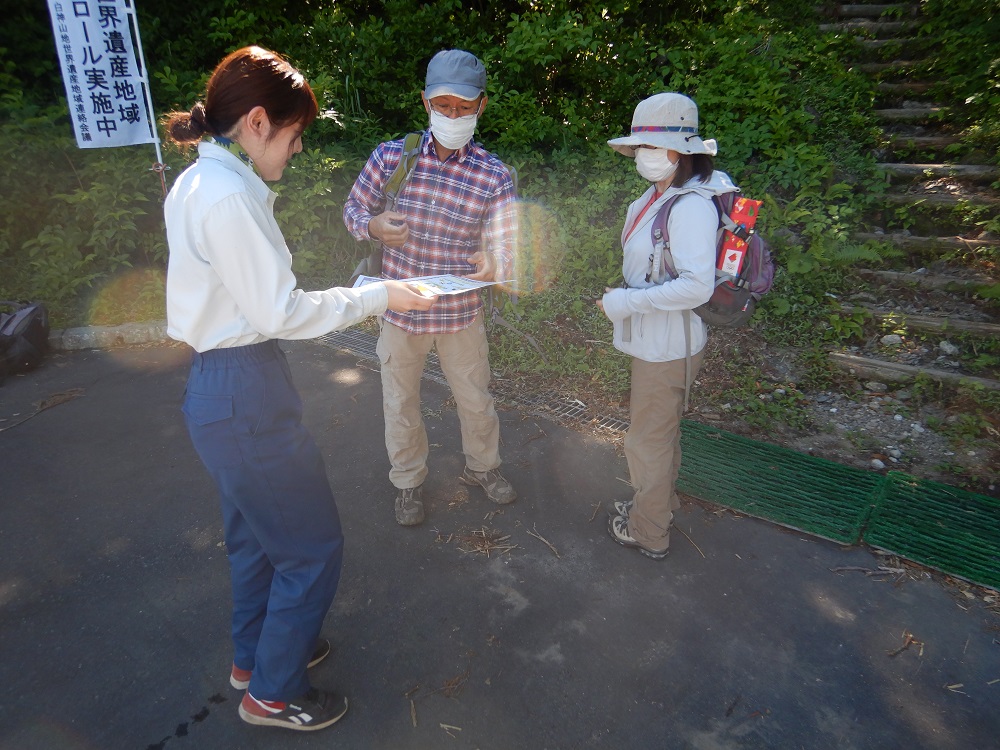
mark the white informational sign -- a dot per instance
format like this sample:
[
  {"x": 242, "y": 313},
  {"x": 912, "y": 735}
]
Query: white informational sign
[
  {"x": 437, "y": 285},
  {"x": 106, "y": 85}
]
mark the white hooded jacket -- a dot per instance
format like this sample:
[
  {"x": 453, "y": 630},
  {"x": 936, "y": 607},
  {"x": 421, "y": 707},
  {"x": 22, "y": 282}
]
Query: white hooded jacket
[{"x": 647, "y": 316}]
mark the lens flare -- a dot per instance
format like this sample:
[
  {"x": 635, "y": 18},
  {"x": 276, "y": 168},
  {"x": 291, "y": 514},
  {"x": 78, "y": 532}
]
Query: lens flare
[
  {"x": 133, "y": 295},
  {"x": 538, "y": 250}
]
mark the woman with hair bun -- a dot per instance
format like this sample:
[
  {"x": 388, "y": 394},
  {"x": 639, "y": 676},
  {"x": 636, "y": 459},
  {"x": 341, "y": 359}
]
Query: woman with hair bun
[{"x": 231, "y": 295}]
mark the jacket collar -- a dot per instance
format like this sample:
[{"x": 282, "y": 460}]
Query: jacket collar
[
  {"x": 718, "y": 184},
  {"x": 636, "y": 207},
  {"x": 428, "y": 147},
  {"x": 215, "y": 152}
]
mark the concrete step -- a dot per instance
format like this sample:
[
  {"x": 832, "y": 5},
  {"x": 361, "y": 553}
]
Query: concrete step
[
  {"x": 873, "y": 10},
  {"x": 905, "y": 87},
  {"x": 933, "y": 323},
  {"x": 868, "y": 50},
  {"x": 878, "y": 44},
  {"x": 911, "y": 142},
  {"x": 973, "y": 172},
  {"x": 910, "y": 114},
  {"x": 879, "y": 29},
  {"x": 942, "y": 200},
  {"x": 881, "y": 67},
  {"x": 930, "y": 281},
  {"x": 912, "y": 242},
  {"x": 895, "y": 372}
]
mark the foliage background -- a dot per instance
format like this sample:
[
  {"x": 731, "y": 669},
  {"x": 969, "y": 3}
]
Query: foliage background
[{"x": 82, "y": 229}]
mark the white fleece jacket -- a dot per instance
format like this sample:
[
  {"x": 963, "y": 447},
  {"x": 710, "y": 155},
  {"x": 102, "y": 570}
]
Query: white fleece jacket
[{"x": 647, "y": 317}]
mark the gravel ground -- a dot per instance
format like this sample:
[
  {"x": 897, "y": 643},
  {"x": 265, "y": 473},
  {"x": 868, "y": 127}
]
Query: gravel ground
[{"x": 865, "y": 423}]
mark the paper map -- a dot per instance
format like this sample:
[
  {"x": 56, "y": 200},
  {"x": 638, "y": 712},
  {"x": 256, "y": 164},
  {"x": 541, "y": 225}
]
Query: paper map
[{"x": 444, "y": 284}]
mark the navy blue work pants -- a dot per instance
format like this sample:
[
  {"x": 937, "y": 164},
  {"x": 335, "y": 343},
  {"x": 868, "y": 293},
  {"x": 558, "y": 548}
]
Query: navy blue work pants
[{"x": 282, "y": 529}]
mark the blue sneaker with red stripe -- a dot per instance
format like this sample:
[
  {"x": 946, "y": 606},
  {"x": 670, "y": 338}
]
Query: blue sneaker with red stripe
[{"x": 314, "y": 710}]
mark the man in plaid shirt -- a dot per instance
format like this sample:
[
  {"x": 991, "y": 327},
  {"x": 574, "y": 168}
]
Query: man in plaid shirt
[{"x": 455, "y": 214}]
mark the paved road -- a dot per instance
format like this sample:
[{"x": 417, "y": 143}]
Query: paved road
[{"x": 114, "y": 596}]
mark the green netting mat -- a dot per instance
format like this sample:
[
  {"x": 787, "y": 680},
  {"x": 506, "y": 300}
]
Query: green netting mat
[
  {"x": 806, "y": 493},
  {"x": 943, "y": 527}
]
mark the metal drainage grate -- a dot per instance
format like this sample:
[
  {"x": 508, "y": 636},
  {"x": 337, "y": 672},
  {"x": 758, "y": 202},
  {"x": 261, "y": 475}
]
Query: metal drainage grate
[{"x": 362, "y": 344}]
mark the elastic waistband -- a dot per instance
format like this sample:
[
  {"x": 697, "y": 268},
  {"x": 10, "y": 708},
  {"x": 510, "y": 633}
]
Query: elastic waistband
[{"x": 217, "y": 359}]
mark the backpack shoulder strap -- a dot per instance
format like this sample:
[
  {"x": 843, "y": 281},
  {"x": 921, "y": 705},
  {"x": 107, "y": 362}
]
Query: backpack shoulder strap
[
  {"x": 661, "y": 242},
  {"x": 513, "y": 174},
  {"x": 371, "y": 265},
  {"x": 724, "y": 204},
  {"x": 401, "y": 174}
]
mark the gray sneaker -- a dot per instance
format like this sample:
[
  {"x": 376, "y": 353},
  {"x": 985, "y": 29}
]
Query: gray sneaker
[
  {"x": 621, "y": 508},
  {"x": 498, "y": 489},
  {"x": 624, "y": 507},
  {"x": 618, "y": 529},
  {"x": 410, "y": 506}
]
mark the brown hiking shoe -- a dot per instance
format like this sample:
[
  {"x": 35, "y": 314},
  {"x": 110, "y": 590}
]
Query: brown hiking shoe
[
  {"x": 498, "y": 489},
  {"x": 410, "y": 506}
]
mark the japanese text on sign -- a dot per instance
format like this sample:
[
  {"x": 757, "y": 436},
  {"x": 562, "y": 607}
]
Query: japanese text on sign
[{"x": 105, "y": 88}]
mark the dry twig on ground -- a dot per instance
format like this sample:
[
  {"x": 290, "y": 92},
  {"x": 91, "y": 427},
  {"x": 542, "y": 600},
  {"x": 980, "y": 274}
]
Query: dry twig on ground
[
  {"x": 485, "y": 541},
  {"x": 535, "y": 534},
  {"x": 54, "y": 400},
  {"x": 908, "y": 640},
  {"x": 690, "y": 540}
]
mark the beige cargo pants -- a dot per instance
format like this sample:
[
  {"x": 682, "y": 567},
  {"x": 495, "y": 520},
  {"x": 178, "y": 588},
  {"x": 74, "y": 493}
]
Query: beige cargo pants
[{"x": 464, "y": 358}]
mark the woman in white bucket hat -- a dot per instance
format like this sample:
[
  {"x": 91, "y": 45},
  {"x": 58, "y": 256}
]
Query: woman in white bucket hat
[{"x": 651, "y": 312}]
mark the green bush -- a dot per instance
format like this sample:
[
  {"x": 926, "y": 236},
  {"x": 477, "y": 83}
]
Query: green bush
[{"x": 564, "y": 78}]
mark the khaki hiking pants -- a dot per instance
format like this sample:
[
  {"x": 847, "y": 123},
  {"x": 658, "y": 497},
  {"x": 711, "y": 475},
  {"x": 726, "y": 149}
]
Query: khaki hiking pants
[
  {"x": 653, "y": 446},
  {"x": 464, "y": 358}
]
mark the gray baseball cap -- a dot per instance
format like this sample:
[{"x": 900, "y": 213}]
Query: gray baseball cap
[{"x": 455, "y": 72}]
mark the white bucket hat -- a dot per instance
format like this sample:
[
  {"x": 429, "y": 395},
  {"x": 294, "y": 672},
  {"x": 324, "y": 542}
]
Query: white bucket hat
[{"x": 665, "y": 121}]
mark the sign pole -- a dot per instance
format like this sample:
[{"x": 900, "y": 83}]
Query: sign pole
[
  {"x": 105, "y": 73},
  {"x": 159, "y": 167}
]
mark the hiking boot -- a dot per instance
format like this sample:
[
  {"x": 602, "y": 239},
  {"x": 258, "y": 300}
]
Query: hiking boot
[
  {"x": 498, "y": 489},
  {"x": 410, "y": 506},
  {"x": 240, "y": 678},
  {"x": 314, "y": 710},
  {"x": 618, "y": 529},
  {"x": 621, "y": 508},
  {"x": 624, "y": 507}
]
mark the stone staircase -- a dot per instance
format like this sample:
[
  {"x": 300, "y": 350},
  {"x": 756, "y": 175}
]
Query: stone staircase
[{"x": 941, "y": 259}]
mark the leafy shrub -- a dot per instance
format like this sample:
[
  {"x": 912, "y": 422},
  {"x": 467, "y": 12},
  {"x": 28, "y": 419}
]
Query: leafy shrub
[
  {"x": 310, "y": 211},
  {"x": 564, "y": 77}
]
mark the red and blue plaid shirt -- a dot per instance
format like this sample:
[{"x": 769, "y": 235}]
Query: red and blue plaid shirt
[{"x": 453, "y": 209}]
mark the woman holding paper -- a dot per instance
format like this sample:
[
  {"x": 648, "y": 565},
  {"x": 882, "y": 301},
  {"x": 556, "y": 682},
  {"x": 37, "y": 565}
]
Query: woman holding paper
[
  {"x": 231, "y": 295},
  {"x": 652, "y": 311}
]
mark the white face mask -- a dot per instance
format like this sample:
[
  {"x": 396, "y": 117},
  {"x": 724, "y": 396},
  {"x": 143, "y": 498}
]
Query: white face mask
[
  {"x": 654, "y": 164},
  {"x": 453, "y": 133}
]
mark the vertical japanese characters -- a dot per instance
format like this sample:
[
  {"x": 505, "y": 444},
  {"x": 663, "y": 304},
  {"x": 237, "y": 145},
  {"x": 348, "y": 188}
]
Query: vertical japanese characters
[{"x": 104, "y": 76}]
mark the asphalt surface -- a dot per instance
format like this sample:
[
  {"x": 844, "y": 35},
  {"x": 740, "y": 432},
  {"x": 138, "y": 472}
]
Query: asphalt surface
[{"x": 114, "y": 595}]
